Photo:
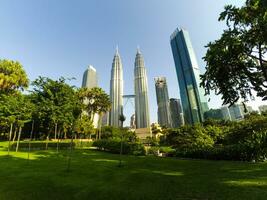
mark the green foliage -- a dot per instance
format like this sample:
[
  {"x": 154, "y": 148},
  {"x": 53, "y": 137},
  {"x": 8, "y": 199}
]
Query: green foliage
[
  {"x": 113, "y": 145},
  {"x": 245, "y": 140},
  {"x": 57, "y": 104},
  {"x": 84, "y": 125},
  {"x": 111, "y": 141},
  {"x": 12, "y": 76},
  {"x": 236, "y": 63},
  {"x": 188, "y": 137},
  {"x": 94, "y": 100}
]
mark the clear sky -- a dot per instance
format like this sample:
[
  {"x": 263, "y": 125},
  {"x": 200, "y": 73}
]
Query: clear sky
[{"x": 61, "y": 38}]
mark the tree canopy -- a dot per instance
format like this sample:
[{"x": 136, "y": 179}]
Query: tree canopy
[
  {"x": 12, "y": 76},
  {"x": 237, "y": 62}
]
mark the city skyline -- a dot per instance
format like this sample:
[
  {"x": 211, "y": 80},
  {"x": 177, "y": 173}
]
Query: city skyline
[{"x": 54, "y": 39}]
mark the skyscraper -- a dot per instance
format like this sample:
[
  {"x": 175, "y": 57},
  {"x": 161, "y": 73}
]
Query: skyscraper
[
  {"x": 176, "y": 113},
  {"x": 116, "y": 90},
  {"x": 90, "y": 77},
  {"x": 193, "y": 101},
  {"x": 164, "y": 117},
  {"x": 141, "y": 89},
  {"x": 90, "y": 81}
]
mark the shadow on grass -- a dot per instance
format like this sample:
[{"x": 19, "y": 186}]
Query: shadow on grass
[{"x": 96, "y": 175}]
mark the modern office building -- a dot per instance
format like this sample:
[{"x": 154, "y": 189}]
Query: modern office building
[
  {"x": 141, "y": 92},
  {"x": 225, "y": 113},
  {"x": 116, "y": 91},
  {"x": 89, "y": 81},
  {"x": 236, "y": 112},
  {"x": 176, "y": 113},
  {"x": 164, "y": 116},
  {"x": 90, "y": 77},
  {"x": 193, "y": 100}
]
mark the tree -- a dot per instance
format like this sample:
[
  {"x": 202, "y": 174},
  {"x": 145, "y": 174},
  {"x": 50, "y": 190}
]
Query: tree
[
  {"x": 237, "y": 63},
  {"x": 12, "y": 76},
  {"x": 95, "y": 101},
  {"x": 57, "y": 102}
]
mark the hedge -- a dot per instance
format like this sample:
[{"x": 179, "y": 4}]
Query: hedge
[{"x": 114, "y": 146}]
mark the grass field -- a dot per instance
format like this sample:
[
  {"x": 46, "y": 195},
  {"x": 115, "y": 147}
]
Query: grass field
[{"x": 96, "y": 175}]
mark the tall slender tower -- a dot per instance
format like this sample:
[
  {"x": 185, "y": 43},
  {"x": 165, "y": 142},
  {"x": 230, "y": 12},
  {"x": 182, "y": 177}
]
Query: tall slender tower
[
  {"x": 116, "y": 90},
  {"x": 164, "y": 116},
  {"x": 193, "y": 100},
  {"x": 141, "y": 90},
  {"x": 90, "y": 81}
]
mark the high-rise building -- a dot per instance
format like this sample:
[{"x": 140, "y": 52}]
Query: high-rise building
[
  {"x": 176, "y": 113},
  {"x": 193, "y": 100},
  {"x": 90, "y": 77},
  {"x": 164, "y": 117},
  {"x": 237, "y": 112},
  {"x": 226, "y": 113},
  {"x": 141, "y": 92},
  {"x": 116, "y": 91},
  {"x": 90, "y": 81}
]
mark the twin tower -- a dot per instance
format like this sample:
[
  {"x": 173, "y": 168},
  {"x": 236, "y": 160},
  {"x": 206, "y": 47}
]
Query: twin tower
[{"x": 140, "y": 88}]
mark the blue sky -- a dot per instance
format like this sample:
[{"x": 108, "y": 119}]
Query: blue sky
[{"x": 61, "y": 38}]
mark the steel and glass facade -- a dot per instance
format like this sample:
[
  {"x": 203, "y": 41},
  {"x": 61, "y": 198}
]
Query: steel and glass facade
[
  {"x": 164, "y": 117},
  {"x": 192, "y": 96}
]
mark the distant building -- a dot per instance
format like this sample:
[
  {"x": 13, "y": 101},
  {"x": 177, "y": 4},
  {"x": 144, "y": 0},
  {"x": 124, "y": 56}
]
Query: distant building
[
  {"x": 194, "y": 102},
  {"x": 214, "y": 114},
  {"x": 132, "y": 122},
  {"x": 116, "y": 90},
  {"x": 142, "y": 119},
  {"x": 176, "y": 113},
  {"x": 105, "y": 119},
  {"x": 90, "y": 81},
  {"x": 90, "y": 77},
  {"x": 236, "y": 112},
  {"x": 164, "y": 116},
  {"x": 263, "y": 108},
  {"x": 225, "y": 113}
]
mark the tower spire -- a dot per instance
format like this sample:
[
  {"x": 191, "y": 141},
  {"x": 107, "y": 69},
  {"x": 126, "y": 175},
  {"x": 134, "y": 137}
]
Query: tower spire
[
  {"x": 117, "y": 49},
  {"x": 138, "y": 49}
]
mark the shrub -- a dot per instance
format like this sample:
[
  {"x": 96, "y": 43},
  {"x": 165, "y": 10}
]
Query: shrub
[{"x": 114, "y": 145}]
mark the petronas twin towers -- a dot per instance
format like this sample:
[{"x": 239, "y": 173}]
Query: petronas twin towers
[{"x": 140, "y": 89}]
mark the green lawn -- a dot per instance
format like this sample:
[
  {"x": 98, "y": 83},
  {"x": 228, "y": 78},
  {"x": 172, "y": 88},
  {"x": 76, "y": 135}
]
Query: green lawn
[{"x": 96, "y": 175}]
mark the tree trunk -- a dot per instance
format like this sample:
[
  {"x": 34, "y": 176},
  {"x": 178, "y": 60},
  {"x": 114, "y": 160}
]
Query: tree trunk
[
  {"x": 47, "y": 140},
  {"x": 55, "y": 131},
  {"x": 65, "y": 134},
  {"x": 30, "y": 140},
  {"x": 58, "y": 138},
  {"x": 100, "y": 125},
  {"x": 10, "y": 135},
  {"x": 15, "y": 135},
  {"x": 17, "y": 148}
]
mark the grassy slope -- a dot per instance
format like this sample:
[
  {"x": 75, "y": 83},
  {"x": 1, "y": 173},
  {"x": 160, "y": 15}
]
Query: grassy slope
[{"x": 96, "y": 175}]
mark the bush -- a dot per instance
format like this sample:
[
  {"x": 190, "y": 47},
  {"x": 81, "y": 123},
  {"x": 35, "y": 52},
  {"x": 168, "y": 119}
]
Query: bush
[
  {"x": 245, "y": 140},
  {"x": 42, "y": 145},
  {"x": 114, "y": 146}
]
